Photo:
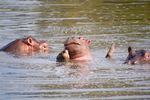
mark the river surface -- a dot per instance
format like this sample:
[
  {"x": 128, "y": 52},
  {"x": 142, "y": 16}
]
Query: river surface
[{"x": 39, "y": 77}]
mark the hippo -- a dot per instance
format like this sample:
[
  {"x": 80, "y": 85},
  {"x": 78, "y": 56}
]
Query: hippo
[
  {"x": 134, "y": 57},
  {"x": 25, "y": 46},
  {"x": 137, "y": 56},
  {"x": 75, "y": 49}
]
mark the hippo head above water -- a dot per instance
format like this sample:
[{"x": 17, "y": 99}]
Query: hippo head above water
[
  {"x": 134, "y": 57},
  {"x": 75, "y": 48},
  {"x": 26, "y": 46},
  {"x": 137, "y": 57}
]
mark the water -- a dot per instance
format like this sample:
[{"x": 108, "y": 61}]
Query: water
[{"x": 39, "y": 77}]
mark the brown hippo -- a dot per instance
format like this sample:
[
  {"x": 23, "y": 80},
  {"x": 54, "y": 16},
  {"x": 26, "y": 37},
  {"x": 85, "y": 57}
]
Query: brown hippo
[
  {"x": 76, "y": 49},
  {"x": 134, "y": 57},
  {"x": 25, "y": 46},
  {"x": 137, "y": 56}
]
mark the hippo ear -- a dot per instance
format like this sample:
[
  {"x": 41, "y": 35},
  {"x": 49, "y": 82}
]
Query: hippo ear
[
  {"x": 89, "y": 42},
  {"x": 81, "y": 37},
  {"x": 130, "y": 50},
  {"x": 30, "y": 40}
]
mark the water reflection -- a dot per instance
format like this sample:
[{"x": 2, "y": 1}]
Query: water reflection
[{"x": 76, "y": 69}]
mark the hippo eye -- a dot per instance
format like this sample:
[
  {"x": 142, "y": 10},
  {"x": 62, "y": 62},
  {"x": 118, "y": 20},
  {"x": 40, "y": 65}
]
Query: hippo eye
[{"x": 44, "y": 46}]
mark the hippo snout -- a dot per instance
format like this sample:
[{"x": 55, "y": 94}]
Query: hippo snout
[{"x": 43, "y": 46}]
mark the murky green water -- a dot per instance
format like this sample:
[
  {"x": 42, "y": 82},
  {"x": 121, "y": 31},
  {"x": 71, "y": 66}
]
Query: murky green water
[{"x": 125, "y": 22}]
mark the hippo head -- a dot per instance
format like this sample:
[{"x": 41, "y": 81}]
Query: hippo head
[
  {"x": 137, "y": 57},
  {"x": 77, "y": 48},
  {"x": 35, "y": 45},
  {"x": 26, "y": 46}
]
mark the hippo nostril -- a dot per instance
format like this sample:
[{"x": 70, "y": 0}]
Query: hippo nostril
[
  {"x": 43, "y": 46},
  {"x": 147, "y": 56}
]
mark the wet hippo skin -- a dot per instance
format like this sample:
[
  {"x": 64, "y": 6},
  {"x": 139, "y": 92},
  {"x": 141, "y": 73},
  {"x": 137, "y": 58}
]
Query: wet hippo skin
[
  {"x": 25, "y": 46},
  {"x": 137, "y": 56},
  {"x": 75, "y": 48}
]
